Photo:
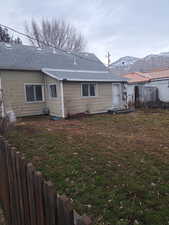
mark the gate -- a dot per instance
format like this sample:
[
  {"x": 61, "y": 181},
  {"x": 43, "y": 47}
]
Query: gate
[{"x": 145, "y": 96}]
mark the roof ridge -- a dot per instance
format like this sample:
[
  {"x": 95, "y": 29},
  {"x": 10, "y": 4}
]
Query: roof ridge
[{"x": 76, "y": 71}]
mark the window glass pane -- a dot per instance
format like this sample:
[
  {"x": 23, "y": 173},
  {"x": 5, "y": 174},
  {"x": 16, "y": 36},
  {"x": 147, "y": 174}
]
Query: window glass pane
[
  {"x": 53, "y": 91},
  {"x": 38, "y": 91},
  {"x": 85, "y": 91},
  {"x": 30, "y": 93},
  {"x": 92, "y": 89}
]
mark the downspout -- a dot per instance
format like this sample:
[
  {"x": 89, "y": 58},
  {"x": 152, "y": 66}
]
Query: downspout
[
  {"x": 2, "y": 98},
  {"x": 45, "y": 88},
  {"x": 62, "y": 99}
]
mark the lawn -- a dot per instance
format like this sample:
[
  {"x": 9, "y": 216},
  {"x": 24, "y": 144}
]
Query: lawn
[{"x": 114, "y": 167}]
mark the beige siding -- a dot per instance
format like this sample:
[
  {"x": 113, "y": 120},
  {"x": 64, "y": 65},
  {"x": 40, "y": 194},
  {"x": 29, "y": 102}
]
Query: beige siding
[
  {"x": 74, "y": 103},
  {"x": 14, "y": 93},
  {"x": 54, "y": 104}
]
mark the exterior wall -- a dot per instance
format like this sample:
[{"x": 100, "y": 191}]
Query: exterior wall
[
  {"x": 53, "y": 104},
  {"x": 163, "y": 89},
  {"x": 75, "y": 103},
  {"x": 14, "y": 93},
  {"x": 130, "y": 94},
  {"x": 15, "y": 99}
]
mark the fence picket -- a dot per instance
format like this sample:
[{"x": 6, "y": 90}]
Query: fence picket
[
  {"x": 39, "y": 198},
  {"x": 23, "y": 164},
  {"x": 52, "y": 203},
  {"x": 19, "y": 187},
  {"x": 5, "y": 185},
  {"x": 85, "y": 220},
  {"x": 30, "y": 182},
  {"x": 65, "y": 212}
]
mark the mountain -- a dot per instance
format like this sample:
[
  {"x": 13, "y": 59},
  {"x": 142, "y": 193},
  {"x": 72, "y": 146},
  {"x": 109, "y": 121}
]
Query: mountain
[
  {"x": 124, "y": 61},
  {"x": 129, "y": 64}
]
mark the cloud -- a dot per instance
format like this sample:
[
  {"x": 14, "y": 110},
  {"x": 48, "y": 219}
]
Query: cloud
[{"x": 124, "y": 27}]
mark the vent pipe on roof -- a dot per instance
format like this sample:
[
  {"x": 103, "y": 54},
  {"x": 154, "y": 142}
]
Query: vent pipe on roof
[
  {"x": 7, "y": 45},
  {"x": 54, "y": 50},
  {"x": 74, "y": 60}
]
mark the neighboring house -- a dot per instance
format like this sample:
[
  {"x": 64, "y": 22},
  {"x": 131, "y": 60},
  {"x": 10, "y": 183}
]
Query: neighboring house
[
  {"x": 148, "y": 87},
  {"x": 36, "y": 81}
]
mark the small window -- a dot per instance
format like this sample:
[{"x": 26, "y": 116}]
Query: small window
[
  {"x": 53, "y": 90},
  {"x": 92, "y": 89},
  {"x": 33, "y": 93},
  {"x": 88, "y": 90},
  {"x": 85, "y": 90},
  {"x": 38, "y": 92}
]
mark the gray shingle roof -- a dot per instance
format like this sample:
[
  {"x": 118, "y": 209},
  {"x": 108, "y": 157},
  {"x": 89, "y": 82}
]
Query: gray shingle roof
[
  {"x": 80, "y": 75},
  {"x": 62, "y": 66},
  {"x": 24, "y": 57}
]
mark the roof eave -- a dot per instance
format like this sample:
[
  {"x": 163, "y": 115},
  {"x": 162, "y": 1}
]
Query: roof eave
[
  {"x": 95, "y": 80},
  {"x": 82, "y": 80},
  {"x": 20, "y": 69}
]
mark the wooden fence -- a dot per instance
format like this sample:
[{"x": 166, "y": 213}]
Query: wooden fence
[{"x": 27, "y": 198}]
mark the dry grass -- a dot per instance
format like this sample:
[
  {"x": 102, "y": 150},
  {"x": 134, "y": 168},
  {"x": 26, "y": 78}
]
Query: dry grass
[{"x": 115, "y": 167}]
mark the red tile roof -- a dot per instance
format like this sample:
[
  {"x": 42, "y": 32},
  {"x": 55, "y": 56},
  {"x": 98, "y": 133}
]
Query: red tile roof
[
  {"x": 136, "y": 77},
  {"x": 159, "y": 74},
  {"x": 139, "y": 77}
]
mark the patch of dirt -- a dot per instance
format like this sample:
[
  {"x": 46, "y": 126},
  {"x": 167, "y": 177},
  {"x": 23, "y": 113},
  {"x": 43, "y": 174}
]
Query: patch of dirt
[{"x": 34, "y": 126}]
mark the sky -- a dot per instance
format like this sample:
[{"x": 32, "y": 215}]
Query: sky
[{"x": 122, "y": 27}]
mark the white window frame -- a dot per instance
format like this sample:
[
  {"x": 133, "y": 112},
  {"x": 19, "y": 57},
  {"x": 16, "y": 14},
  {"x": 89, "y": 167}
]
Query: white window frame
[
  {"x": 49, "y": 91},
  {"x": 30, "y": 102},
  {"x": 89, "y": 96}
]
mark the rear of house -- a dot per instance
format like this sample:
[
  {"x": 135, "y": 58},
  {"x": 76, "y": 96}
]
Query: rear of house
[{"x": 28, "y": 88}]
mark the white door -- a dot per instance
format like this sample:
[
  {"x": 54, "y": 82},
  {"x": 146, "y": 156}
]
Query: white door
[{"x": 116, "y": 95}]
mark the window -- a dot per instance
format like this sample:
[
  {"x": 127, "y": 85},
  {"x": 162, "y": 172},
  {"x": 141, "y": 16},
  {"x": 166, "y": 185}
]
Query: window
[
  {"x": 88, "y": 90},
  {"x": 92, "y": 89},
  {"x": 53, "y": 90},
  {"x": 33, "y": 92}
]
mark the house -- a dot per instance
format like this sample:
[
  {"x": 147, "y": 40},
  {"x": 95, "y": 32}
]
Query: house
[
  {"x": 148, "y": 87},
  {"x": 37, "y": 81}
]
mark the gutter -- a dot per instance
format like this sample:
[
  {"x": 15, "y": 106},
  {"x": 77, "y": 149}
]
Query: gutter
[
  {"x": 62, "y": 99},
  {"x": 159, "y": 79},
  {"x": 2, "y": 98}
]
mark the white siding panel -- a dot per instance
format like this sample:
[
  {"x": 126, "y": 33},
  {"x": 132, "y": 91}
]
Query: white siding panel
[{"x": 163, "y": 89}]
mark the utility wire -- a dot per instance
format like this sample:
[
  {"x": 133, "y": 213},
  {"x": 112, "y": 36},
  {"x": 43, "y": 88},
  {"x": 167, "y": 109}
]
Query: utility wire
[{"x": 49, "y": 45}]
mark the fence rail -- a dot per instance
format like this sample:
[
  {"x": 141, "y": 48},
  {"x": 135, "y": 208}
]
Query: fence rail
[{"x": 27, "y": 198}]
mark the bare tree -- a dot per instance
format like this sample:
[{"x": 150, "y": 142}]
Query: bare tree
[
  {"x": 55, "y": 33},
  {"x": 8, "y": 38}
]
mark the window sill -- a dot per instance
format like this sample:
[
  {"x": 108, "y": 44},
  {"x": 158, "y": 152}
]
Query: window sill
[
  {"x": 53, "y": 99},
  {"x": 88, "y": 96},
  {"x": 35, "y": 102}
]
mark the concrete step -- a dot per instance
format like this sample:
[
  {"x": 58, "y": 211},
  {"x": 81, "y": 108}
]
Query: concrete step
[{"x": 120, "y": 111}]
